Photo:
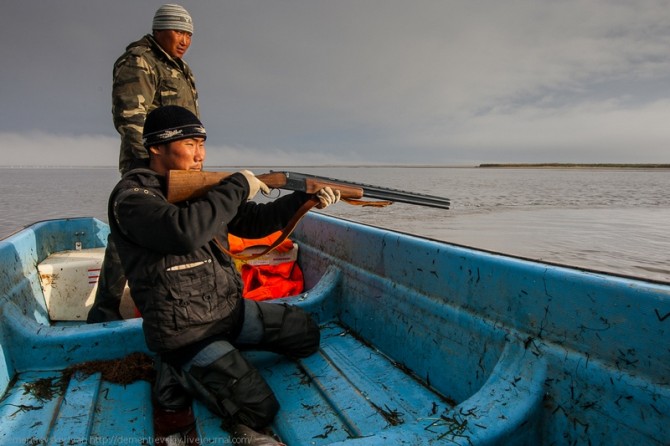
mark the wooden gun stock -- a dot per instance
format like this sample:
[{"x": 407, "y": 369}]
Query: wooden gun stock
[{"x": 185, "y": 185}]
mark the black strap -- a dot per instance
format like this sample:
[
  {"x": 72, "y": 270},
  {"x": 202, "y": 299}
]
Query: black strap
[{"x": 286, "y": 232}]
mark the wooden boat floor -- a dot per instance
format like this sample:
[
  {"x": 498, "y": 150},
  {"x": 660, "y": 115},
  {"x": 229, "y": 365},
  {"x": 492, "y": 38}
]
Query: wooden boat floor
[{"x": 346, "y": 390}]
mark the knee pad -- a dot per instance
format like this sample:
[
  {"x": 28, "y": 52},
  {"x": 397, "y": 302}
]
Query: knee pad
[
  {"x": 235, "y": 390},
  {"x": 288, "y": 330}
]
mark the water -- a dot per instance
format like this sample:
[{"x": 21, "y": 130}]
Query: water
[{"x": 614, "y": 220}]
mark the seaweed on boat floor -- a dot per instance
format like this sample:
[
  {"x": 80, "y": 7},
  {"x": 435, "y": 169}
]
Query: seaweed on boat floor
[
  {"x": 44, "y": 389},
  {"x": 392, "y": 416},
  {"x": 134, "y": 367},
  {"x": 33, "y": 441},
  {"x": 455, "y": 426}
]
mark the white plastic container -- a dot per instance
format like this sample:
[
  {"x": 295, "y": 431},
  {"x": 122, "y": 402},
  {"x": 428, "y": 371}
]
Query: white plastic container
[
  {"x": 69, "y": 282},
  {"x": 271, "y": 258}
]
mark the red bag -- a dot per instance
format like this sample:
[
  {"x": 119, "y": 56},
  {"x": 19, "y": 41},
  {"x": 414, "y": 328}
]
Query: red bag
[{"x": 270, "y": 276}]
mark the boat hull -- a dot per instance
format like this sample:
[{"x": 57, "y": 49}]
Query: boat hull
[{"x": 423, "y": 342}]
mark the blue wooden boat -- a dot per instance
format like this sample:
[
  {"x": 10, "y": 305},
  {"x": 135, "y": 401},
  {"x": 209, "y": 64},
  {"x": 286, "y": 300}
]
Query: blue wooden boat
[{"x": 423, "y": 342}]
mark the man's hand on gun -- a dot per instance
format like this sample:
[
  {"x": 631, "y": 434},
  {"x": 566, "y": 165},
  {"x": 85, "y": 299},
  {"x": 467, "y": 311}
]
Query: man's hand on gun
[
  {"x": 254, "y": 184},
  {"x": 327, "y": 196}
]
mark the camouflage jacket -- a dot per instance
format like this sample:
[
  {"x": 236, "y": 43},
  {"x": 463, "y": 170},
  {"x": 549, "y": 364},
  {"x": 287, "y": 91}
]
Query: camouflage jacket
[{"x": 146, "y": 77}]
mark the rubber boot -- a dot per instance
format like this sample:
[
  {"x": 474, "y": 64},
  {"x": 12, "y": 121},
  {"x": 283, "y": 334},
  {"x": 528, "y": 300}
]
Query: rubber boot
[
  {"x": 232, "y": 388},
  {"x": 174, "y": 427}
]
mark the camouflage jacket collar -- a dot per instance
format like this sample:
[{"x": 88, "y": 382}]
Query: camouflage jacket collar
[{"x": 149, "y": 42}]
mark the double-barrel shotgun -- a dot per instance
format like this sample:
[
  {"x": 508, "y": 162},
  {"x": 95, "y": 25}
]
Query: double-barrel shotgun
[{"x": 185, "y": 185}]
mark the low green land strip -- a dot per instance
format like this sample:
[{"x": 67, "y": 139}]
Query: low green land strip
[{"x": 579, "y": 165}]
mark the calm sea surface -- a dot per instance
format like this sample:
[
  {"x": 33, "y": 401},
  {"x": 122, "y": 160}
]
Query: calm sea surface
[{"x": 615, "y": 220}]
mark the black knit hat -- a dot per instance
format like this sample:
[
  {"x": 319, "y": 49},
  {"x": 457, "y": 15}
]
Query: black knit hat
[{"x": 171, "y": 123}]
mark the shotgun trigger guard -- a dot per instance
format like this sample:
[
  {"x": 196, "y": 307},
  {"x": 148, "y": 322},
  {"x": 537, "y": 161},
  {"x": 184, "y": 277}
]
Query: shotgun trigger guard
[{"x": 274, "y": 193}]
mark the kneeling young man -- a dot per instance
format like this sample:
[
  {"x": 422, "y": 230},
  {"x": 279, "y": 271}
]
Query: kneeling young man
[{"x": 188, "y": 290}]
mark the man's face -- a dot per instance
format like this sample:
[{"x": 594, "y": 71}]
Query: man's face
[
  {"x": 174, "y": 42},
  {"x": 184, "y": 154}
]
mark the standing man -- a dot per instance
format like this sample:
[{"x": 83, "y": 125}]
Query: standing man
[
  {"x": 151, "y": 73},
  {"x": 188, "y": 289}
]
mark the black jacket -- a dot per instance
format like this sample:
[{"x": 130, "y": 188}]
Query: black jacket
[{"x": 186, "y": 289}]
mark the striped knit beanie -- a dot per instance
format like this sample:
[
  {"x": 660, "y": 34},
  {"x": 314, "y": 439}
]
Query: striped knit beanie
[
  {"x": 171, "y": 123},
  {"x": 173, "y": 16}
]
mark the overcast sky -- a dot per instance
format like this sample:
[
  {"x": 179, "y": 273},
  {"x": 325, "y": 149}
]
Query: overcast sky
[{"x": 296, "y": 82}]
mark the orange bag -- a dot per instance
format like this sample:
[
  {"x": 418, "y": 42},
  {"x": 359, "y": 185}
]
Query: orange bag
[{"x": 266, "y": 279}]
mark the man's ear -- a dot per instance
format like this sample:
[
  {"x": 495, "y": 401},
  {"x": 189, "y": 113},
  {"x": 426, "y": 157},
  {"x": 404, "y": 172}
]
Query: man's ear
[{"x": 154, "y": 150}]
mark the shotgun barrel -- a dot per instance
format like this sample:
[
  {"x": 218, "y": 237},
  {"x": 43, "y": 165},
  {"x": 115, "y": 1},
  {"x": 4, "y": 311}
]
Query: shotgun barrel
[{"x": 295, "y": 179}]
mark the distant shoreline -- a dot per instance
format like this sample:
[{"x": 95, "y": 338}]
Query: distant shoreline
[{"x": 576, "y": 165}]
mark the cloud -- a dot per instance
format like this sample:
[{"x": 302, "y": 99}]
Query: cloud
[
  {"x": 45, "y": 149},
  {"x": 428, "y": 81},
  {"x": 222, "y": 156},
  {"x": 38, "y": 148},
  {"x": 419, "y": 82},
  {"x": 590, "y": 132}
]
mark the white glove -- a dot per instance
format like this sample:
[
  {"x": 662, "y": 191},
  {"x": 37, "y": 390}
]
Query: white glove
[
  {"x": 327, "y": 197},
  {"x": 254, "y": 184}
]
